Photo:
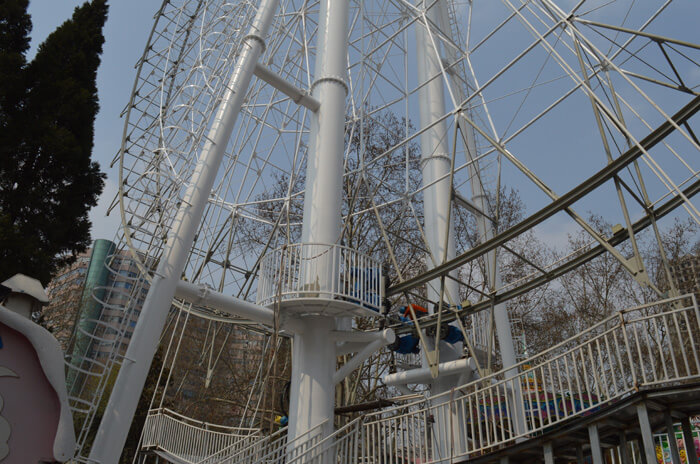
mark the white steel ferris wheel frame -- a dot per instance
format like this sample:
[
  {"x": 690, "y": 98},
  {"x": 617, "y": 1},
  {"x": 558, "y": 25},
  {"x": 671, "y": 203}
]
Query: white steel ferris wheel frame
[
  {"x": 315, "y": 337},
  {"x": 119, "y": 412}
]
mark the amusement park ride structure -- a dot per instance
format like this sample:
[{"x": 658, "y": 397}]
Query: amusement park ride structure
[{"x": 187, "y": 192}]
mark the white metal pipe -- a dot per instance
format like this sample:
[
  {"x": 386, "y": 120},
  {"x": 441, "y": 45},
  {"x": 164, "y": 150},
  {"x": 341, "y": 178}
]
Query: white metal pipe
[
  {"x": 296, "y": 94},
  {"x": 349, "y": 348},
  {"x": 435, "y": 155},
  {"x": 201, "y": 295},
  {"x": 324, "y": 166},
  {"x": 356, "y": 341},
  {"x": 596, "y": 449},
  {"x": 486, "y": 230},
  {"x": 436, "y": 163},
  {"x": 354, "y": 362},
  {"x": 646, "y": 431},
  {"x": 422, "y": 375},
  {"x": 386, "y": 335},
  {"x": 120, "y": 409},
  {"x": 312, "y": 392}
]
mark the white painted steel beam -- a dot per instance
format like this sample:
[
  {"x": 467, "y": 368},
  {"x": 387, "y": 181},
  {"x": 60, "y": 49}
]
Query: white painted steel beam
[
  {"x": 548, "y": 453},
  {"x": 648, "y": 447},
  {"x": 365, "y": 337},
  {"x": 486, "y": 227},
  {"x": 120, "y": 409},
  {"x": 357, "y": 341},
  {"x": 349, "y": 348},
  {"x": 596, "y": 450},
  {"x": 624, "y": 448},
  {"x": 297, "y": 95},
  {"x": 435, "y": 154},
  {"x": 201, "y": 295},
  {"x": 358, "y": 359},
  {"x": 422, "y": 375},
  {"x": 312, "y": 392}
]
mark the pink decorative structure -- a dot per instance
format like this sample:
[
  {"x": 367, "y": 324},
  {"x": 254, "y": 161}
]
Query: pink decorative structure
[{"x": 35, "y": 419}]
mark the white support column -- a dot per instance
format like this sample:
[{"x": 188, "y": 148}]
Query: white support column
[
  {"x": 435, "y": 154},
  {"x": 120, "y": 409},
  {"x": 596, "y": 450},
  {"x": 487, "y": 231},
  {"x": 548, "y": 453},
  {"x": 312, "y": 392},
  {"x": 357, "y": 360},
  {"x": 436, "y": 163},
  {"x": 672, "y": 443},
  {"x": 479, "y": 205},
  {"x": 648, "y": 448}
]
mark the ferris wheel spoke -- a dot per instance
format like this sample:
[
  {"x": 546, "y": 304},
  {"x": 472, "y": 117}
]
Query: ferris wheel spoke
[{"x": 530, "y": 89}]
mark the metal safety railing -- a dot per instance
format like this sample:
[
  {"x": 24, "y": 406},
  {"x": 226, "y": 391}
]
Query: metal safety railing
[
  {"x": 653, "y": 345},
  {"x": 320, "y": 271},
  {"x": 274, "y": 448},
  {"x": 190, "y": 440},
  {"x": 343, "y": 446},
  {"x": 648, "y": 346}
]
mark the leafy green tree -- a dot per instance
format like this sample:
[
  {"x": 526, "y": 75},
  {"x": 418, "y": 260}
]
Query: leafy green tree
[
  {"x": 48, "y": 182},
  {"x": 15, "y": 26}
]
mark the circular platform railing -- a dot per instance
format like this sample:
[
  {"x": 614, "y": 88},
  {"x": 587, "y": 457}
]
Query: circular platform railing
[{"x": 316, "y": 271}]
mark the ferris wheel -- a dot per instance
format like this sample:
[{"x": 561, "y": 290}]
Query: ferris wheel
[{"x": 334, "y": 161}]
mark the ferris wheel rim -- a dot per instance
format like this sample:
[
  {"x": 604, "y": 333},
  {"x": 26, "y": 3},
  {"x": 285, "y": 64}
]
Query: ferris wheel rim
[{"x": 125, "y": 224}]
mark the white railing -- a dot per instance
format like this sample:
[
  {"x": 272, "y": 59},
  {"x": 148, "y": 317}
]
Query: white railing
[
  {"x": 273, "y": 448},
  {"x": 649, "y": 346},
  {"x": 343, "y": 446},
  {"x": 190, "y": 440},
  {"x": 319, "y": 271}
]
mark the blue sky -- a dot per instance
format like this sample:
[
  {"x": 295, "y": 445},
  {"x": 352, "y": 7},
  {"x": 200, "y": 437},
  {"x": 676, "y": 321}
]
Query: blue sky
[{"x": 126, "y": 32}]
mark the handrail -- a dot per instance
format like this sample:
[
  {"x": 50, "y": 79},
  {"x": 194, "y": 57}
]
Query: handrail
[
  {"x": 166, "y": 430},
  {"x": 344, "y": 446},
  {"x": 272, "y": 448},
  {"x": 647, "y": 346},
  {"x": 320, "y": 271},
  {"x": 202, "y": 424}
]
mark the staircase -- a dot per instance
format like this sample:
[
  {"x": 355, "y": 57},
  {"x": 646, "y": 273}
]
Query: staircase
[
  {"x": 181, "y": 440},
  {"x": 646, "y": 348},
  {"x": 634, "y": 350}
]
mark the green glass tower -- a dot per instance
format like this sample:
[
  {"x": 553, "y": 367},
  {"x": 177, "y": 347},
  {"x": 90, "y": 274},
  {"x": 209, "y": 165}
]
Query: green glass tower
[{"x": 96, "y": 279}]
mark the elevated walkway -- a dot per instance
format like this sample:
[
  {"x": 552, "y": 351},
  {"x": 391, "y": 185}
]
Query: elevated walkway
[
  {"x": 617, "y": 427},
  {"x": 182, "y": 440},
  {"x": 621, "y": 379}
]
